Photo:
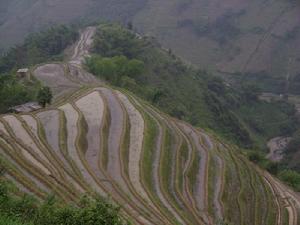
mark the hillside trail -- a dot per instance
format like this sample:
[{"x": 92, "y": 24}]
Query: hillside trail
[{"x": 64, "y": 78}]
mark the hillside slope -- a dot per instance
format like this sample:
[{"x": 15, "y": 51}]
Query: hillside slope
[
  {"x": 258, "y": 38},
  {"x": 231, "y": 37},
  {"x": 95, "y": 139}
]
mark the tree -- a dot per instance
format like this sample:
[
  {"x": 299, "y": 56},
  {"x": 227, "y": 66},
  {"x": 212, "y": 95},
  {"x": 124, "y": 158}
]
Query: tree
[
  {"x": 134, "y": 68},
  {"x": 44, "y": 96},
  {"x": 114, "y": 40}
]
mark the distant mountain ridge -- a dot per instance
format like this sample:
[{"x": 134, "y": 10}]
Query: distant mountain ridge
[
  {"x": 257, "y": 38},
  {"x": 20, "y": 17}
]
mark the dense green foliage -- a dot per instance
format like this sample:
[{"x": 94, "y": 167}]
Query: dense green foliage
[
  {"x": 13, "y": 92},
  {"x": 27, "y": 211},
  {"x": 44, "y": 96},
  {"x": 4, "y": 220},
  {"x": 116, "y": 69},
  {"x": 37, "y": 48},
  {"x": 259, "y": 159},
  {"x": 291, "y": 177},
  {"x": 188, "y": 93},
  {"x": 115, "y": 41}
]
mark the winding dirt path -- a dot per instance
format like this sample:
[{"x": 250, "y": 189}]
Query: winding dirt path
[{"x": 82, "y": 47}]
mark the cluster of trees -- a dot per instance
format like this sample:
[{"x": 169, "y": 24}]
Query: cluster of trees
[
  {"x": 114, "y": 40},
  {"x": 12, "y": 92},
  {"x": 44, "y": 96},
  {"x": 291, "y": 178},
  {"x": 38, "y": 48},
  {"x": 27, "y": 210}
]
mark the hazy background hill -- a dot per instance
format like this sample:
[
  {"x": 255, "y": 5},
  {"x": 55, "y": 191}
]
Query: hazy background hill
[
  {"x": 20, "y": 17},
  {"x": 258, "y": 38}
]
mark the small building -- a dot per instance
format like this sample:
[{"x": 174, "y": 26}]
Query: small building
[
  {"x": 23, "y": 73},
  {"x": 26, "y": 108}
]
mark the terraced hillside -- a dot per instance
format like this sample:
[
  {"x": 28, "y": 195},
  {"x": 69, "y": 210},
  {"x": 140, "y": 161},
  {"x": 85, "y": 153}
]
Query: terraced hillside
[{"x": 97, "y": 140}]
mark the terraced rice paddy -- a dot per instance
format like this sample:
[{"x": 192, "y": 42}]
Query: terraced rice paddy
[{"x": 95, "y": 140}]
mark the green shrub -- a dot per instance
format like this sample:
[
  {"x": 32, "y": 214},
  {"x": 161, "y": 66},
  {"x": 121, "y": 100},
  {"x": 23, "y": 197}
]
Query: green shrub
[
  {"x": 272, "y": 167},
  {"x": 291, "y": 177},
  {"x": 52, "y": 212},
  {"x": 115, "y": 68},
  {"x": 114, "y": 40},
  {"x": 44, "y": 96}
]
